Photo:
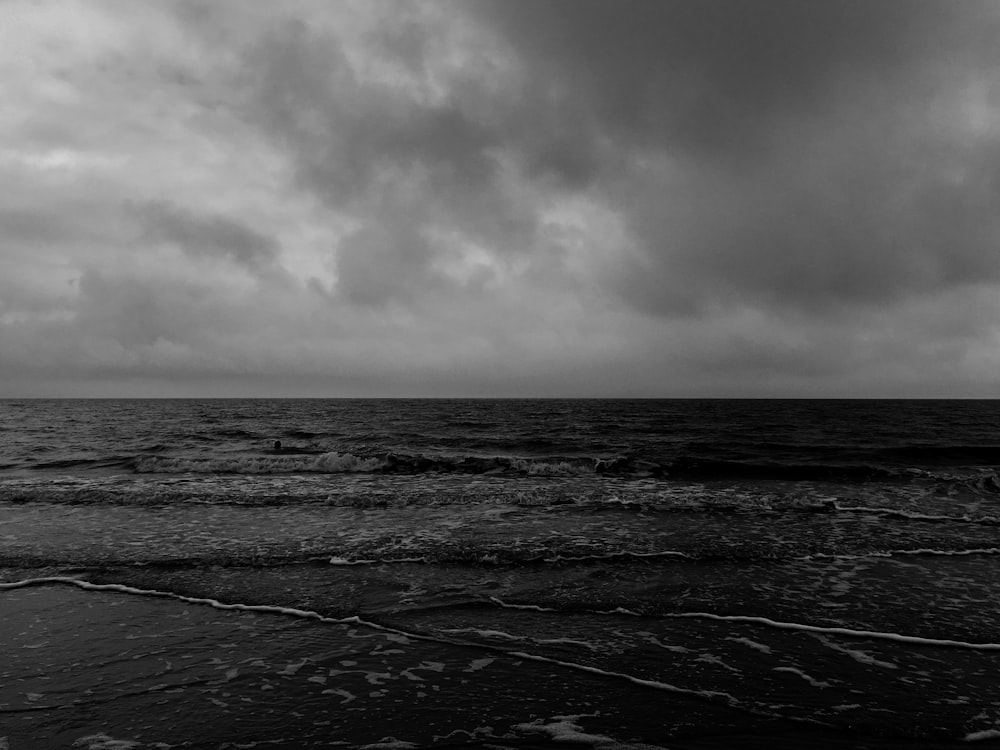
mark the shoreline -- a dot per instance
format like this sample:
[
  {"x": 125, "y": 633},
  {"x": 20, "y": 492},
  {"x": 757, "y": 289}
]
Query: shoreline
[{"x": 334, "y": 674}]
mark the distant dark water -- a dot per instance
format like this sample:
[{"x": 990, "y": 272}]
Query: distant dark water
[
  {"x": 662, "y": 439},
  {"x": 702, "y": 573}
]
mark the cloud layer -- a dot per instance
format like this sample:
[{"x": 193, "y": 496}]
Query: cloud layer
[{"x": 482, "y": 197}]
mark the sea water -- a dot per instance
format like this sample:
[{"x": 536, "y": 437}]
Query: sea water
[{"x": 499, "y": 573}]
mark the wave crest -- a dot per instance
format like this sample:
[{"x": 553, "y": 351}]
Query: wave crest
[
  {"x": 334, "y": 462},
  {"x": 324, "y": 463}
]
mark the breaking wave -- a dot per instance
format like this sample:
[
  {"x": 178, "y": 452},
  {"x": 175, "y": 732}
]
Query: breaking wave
[{"x": 336, "y": 462}]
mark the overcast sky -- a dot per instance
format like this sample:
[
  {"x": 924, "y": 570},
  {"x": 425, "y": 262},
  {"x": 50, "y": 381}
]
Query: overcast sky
[{"x": 509, "y": 197}]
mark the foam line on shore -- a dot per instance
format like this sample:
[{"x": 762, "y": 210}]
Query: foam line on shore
[
  {"x": 491, "y": 558},
  {"x": 950, "y": 552},
  {"x": 488, "y": 557},
  {"x": 892, "y": 553},
  {"x": 123, "y": 589},
  {"x": 915, "y": 640},
  {"x": 713, "y": 697},
  {"x": 530, "y": 607},
  {"x": 986, "y": 520},
  {"x": 389, "y": 561},
  {"x": 778, "y": 624},
  {"x": 612, "y": 555},
  {"x": 985, "y": 734}
]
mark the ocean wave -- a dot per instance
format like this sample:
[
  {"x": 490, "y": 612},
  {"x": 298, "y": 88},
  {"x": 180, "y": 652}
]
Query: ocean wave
[
  {"x": 237, "y": 432},
  {"x": 301, "y": 434},
  {"x": 103, "y": 462},
  {"x": 375, "y": 458},
  {"x": 988, "y": 482},
  {"x": 933, "y": 517},
  {"x": 578, "y": 497},
  {"x": 707, "y": 468},
  {"x": 526, "y": 555},
  {"x": 327, "y": 463},
  {"x": 389, "y": 462},
  {"x": 334, "y": 462}
]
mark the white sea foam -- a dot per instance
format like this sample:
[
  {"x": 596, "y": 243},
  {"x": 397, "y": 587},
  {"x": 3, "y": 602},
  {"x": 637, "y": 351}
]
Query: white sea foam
[
  {"x": 614, "y": 555},
  {"x": 568, "y": 642},
  {"x": 710, "y": 695},
  {"x": 781, "y": 625},
  {"x": 346, "y": 695},
  {"x": 237, "y": 607},
  {"x": 862, "y": 657},
  {"x": 326, "y": 463},
  {"x": 752, "y": 644},
  {"x": 545, "y": 468},
  {"x": 892, "y": 553},
  {"x": 472, "y": 734},
  {"x": 984, "y": 734},
  {"x": 565, "y": 729},
  {"x": 425, "y": 666},
  {"x": 485, "y": 633},
  {"x": 103, "y": 741},
  {"x": 292, "y": 668},
  {"x": 389, "y": 561},
  {"x": 354, "y": 619},
  {"x": 389, "y": 743},
  {"x": 345, "y": 561},
  {"x": 477, "y": 664},
  {"x": 990, "y": 520},
  {"x": 651, "y": 638},
  {"x": 811, "y": 680},
  {"x": 949, "y": 552},
  {"x": 849, "y": 632},
  {"x": 716, "y": 661},
  {"x": 531, "y": 607}
]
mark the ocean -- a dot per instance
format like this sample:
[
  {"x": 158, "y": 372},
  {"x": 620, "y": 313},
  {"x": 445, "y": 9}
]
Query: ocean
[{"x": 499, "y": 574}]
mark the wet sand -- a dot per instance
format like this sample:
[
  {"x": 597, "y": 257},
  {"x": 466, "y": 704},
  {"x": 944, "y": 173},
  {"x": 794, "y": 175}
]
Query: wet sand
[{"x": 161, "y": 671}]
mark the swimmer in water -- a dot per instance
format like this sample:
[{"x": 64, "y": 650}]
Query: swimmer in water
[{"x": 292, "y": 450}]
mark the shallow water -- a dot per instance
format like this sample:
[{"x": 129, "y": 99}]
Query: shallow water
[{"x": 496, "y": 574}]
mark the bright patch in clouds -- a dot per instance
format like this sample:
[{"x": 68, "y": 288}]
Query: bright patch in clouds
[{"x": 561, "y": 197}]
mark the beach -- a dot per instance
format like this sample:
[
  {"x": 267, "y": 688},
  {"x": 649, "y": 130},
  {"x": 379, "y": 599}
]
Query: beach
[{"x": 535, "y": 600}]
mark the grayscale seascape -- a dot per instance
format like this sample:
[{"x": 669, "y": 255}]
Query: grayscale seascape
[
  {"x": 499, "y": 573},
  {"x": 500, "y": 374}
]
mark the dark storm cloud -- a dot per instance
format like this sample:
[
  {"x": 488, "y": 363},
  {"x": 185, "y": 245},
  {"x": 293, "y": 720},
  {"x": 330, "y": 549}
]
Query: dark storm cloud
[
  {"x": 384, "y": 261},
  {"x": 870, "y": 228},
  {"x": 343, "y": 130},
  {"x": 34, "y": 227},
  {"x": 134, "y": 312},
  {"x": 207, "y": 235},
  {"x": 787, "y": 153},
  {"x": 712, "y": 74},
  {"x": 28, "y": 226},
  {"x": 638, "y": 197},
  {"x": 401, "y": 163}
]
